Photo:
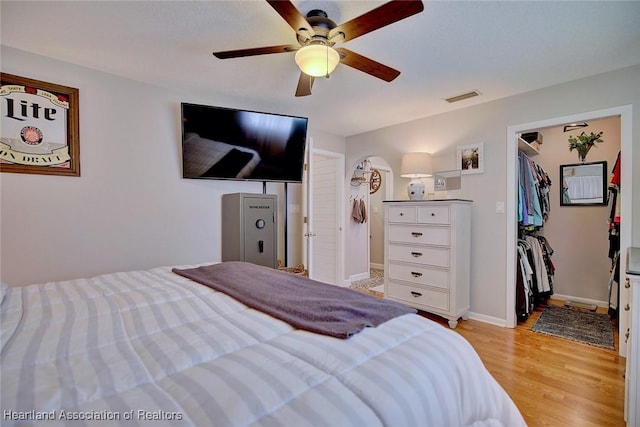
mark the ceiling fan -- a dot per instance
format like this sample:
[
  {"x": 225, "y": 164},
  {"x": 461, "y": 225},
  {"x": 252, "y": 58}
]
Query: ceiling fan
[{"x": 317, "y": 34}]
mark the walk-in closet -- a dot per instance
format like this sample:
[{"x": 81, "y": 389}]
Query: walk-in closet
[{"x": 568, "y": 217}]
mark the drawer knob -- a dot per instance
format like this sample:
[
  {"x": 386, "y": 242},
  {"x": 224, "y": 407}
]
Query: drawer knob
[
  {"x": 416, "y": 234},
  {"x": 627, "y": 307},
  {"x": 416, "y": 294},
  {"x": 433, "y": 214},
  {"x": 416, "y": 274},
  {"x": 401, "y": 213},
  {"x": 627, "y": 283},
  {"x": 416, "y": 254}
]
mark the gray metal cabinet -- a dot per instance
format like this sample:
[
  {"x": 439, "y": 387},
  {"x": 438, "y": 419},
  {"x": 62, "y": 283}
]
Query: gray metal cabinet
[{"x": 249, "y": 228}]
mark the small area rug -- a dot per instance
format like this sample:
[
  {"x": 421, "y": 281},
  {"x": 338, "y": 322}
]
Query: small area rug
[
  {"x": 375, "y": 282},
  {"x": 577, "y": 325}
]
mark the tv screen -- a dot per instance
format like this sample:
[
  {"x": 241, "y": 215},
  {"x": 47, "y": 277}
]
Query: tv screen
[{"x": 223, "y": 143}]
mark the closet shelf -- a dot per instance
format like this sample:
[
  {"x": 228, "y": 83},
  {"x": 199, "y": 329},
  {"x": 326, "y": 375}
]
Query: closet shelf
[{"x": 527, "y": 148}]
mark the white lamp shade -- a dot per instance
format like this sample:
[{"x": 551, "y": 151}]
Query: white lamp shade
[
  {"x": 416, "y": 165},
  {"x": 317, "y": 60}
]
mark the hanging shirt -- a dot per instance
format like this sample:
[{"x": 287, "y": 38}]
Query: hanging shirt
[
  {"x": 363, "y": 211},
  {"x": 356, "y": 213}
]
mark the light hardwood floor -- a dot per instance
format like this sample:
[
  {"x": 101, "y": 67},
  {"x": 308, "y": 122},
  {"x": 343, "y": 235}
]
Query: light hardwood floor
[{"x": 553, "y": 381}]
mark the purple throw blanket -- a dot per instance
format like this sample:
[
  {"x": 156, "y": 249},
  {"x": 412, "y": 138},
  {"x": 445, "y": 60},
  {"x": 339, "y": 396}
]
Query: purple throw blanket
[{"x": 303, "y": 303}]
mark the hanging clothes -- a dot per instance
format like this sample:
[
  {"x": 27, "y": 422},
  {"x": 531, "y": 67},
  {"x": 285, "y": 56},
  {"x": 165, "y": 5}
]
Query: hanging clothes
[
  {"x": 524, "y": 279},
  {"x": 356, "y": 212},
  {"x": 363, "y": 212},
  {"x": 614, "y": 199},
  {"x": 535, "y": 270},
  {"x": 614, "y": 288},
  {"x": 359, "y": 211},
  {"x": 535, "y": 273},
  {"x": 541, "y": 266},
  {"x": 534, "y": 186}
]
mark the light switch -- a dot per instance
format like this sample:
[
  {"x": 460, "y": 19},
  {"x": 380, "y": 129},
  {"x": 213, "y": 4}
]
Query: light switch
[{"x": 499, "y": 207}]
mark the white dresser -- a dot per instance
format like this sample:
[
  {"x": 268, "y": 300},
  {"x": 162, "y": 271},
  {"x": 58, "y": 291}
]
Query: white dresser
[{"x": 427, "y": 255}]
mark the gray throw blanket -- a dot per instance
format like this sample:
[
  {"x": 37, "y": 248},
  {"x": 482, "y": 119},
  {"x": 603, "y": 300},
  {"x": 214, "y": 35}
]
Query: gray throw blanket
[{"x": 303, "y": 303}]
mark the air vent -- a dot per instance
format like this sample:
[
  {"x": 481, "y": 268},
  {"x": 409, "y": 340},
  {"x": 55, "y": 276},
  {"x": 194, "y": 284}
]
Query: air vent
[{"x": 463, "y": 96}]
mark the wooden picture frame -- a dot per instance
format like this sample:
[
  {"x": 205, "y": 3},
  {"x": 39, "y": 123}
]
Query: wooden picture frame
[
  {"x": 40, "y": 129},
  {"x": 470, "y": 158}
]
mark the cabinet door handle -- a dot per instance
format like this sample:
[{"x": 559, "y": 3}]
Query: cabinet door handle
[
  {"x": 416, "y": 234},
  {"x": 627, "y": 307},
  {"x": 416, "y": 254},
  {"x": 416, "y": 294},
  {"x": 416, "y": 274},
  {"x": 627, "y": 283}
]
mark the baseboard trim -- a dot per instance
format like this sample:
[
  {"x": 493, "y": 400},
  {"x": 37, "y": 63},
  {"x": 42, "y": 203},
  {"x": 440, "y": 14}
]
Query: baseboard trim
[
  {"x": 359, "y": 276},
  {"x": 376, "y": 266},
  {"x": 488, "y": 319},
  {"x": 561, "y": 297}
]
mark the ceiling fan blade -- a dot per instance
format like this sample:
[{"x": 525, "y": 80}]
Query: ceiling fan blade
[
  {"x": 256, "y": 51},
  {"x": 386, "y": 14},
  {"x": 294, "y": 18},
  {"x": 304, "y": 85},
  {"x": 367, "y": 65}
]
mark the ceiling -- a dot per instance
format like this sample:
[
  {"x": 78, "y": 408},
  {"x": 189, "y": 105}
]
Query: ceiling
[{"x": 498, "y": 48}]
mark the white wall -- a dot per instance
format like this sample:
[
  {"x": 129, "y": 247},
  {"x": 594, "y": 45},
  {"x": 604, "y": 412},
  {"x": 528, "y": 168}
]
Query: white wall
[
  {"x": 488, "y": 123},
  {"x": 130, "y": 209}
]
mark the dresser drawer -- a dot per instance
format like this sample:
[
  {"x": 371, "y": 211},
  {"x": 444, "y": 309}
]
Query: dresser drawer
[
  {"x": 405, "y": 214},
  {"x": 433, "y": 214},
  {"x": 419, "y": 274},
  {"x": 415, "y": 295},
  {"x": 416, "y": 234},
  {"x": 420, "y": 255}
]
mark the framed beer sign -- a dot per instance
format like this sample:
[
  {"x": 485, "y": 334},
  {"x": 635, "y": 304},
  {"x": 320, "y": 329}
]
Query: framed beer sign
[{"x": 39, "y": 130}]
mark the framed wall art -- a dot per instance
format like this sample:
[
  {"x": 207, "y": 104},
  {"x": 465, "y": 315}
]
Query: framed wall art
[
  {"x": 470, "y": 158},
  {"x": 39, "y": 127}
]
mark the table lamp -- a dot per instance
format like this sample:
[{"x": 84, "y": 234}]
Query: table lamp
[{"x": 416, "y": 166}]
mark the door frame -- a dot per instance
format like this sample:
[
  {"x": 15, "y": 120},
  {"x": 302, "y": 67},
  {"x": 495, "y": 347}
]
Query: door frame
[
  {"x": 625, "y": 112},
  {"x": 388, "y": 194}
]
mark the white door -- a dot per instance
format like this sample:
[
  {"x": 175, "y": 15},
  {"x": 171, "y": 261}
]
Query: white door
[{"x": 324, "y": 233}]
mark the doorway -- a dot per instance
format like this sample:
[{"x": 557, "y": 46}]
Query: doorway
[
  {"x": 624, "y": 112},
  {"x": 370, "y": 182},
  {"x": 323, "y": 228}
]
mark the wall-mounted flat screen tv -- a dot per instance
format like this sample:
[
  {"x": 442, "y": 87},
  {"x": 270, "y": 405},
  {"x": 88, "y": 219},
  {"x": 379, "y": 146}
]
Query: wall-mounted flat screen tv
[{"x": 224, "y": 143}]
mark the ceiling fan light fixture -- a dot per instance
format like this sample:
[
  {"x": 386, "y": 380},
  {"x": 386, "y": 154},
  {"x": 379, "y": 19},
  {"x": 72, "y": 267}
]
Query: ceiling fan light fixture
[{"x": 317, "y": 60}]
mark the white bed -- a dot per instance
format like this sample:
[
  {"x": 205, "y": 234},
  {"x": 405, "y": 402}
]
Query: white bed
[{"x": 155, "y": 348}]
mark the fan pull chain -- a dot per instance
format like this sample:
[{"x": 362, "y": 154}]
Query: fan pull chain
[{"x": 327, "y": 68}]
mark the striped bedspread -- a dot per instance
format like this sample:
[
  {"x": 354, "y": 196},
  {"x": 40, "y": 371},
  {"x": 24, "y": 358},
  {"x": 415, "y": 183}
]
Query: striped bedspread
[{"x": 155, "y": 348}]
